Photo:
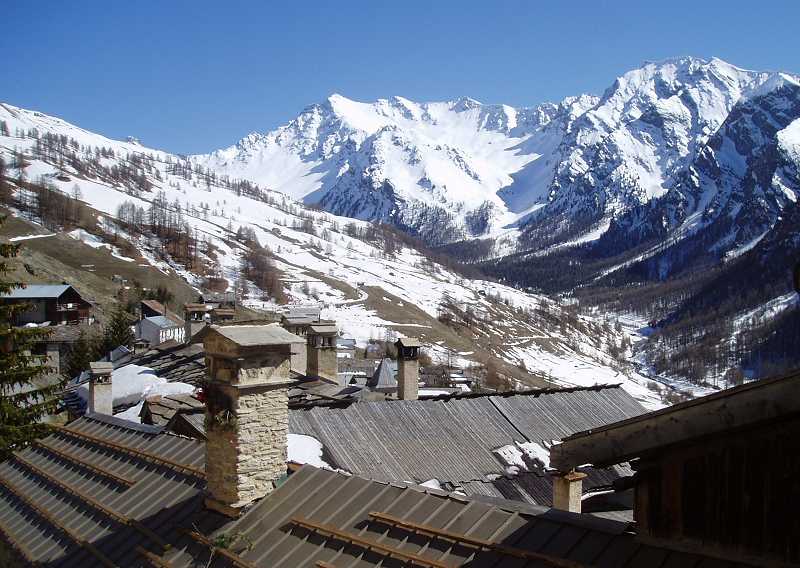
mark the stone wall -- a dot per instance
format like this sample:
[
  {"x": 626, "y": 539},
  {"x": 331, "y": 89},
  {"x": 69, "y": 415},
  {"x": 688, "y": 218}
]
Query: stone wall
[{"x": 245, "y": 457}]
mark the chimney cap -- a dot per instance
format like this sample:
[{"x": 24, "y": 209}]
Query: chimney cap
[
  {"x": 255, "y": 335},
  {"x": 101, "y": 367},
  {"x": 323, "y": 329},
  {"x": 407, "y": 342}
]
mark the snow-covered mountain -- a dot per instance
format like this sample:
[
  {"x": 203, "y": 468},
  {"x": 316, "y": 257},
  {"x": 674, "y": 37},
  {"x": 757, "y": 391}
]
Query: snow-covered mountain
[
  {"x": 460, "y": 169},
  {"x": 433, "y": 168},
  {"x": 373, "y": 283}
]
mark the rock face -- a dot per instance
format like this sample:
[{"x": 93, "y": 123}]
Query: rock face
[{"x": 435, "y": 169}]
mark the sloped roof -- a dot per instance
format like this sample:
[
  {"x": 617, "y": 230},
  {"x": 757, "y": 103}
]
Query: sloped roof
[
  {"x": 34, "y": 291},
  {"x": 161, "y": 409},
  {"x": 384, "y": 376},
  {"x": 162, "y": 321},
  {"x": 455, "y": 439},
  {"x": 697, "y": 419},
  {"x": 158, "y": 307},
  {"x": 102, "y": 493},
  {"x": 179, "y": 362}
]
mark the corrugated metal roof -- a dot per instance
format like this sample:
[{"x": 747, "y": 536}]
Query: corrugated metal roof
[
  {"x": 57, "y": 495},
  {"x": 33, "y": 291},
  {"x": 453, "y": 439}
]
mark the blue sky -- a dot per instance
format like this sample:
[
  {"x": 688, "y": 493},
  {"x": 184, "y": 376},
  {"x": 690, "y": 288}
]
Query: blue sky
[{"x": 195, "y": 76}]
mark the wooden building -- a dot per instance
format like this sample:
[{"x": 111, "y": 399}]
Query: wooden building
[
  {"x": 53, "y": 303},
  {"x": 719, "y": 474}
]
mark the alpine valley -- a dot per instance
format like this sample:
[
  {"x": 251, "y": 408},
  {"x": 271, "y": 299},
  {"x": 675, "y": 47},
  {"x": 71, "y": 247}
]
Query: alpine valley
[{"x": 645, "y": 236}]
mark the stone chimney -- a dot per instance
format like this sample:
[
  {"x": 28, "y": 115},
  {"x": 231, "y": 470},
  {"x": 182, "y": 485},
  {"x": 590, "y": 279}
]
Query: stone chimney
[
  {"x": 407, "y": 368},
  {"x": 567, "y": 491},
  {"x": 321, "y": 354},
  {"x": 101, "y": 398},
  {"x": 247, "y": 412}
]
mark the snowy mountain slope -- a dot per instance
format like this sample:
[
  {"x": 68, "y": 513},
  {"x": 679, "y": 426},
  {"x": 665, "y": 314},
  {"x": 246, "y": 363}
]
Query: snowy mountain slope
[
  {"x": 409, "y": 163},
  {"x": 732, "y": 193},
  {"x": 373, "y": 288},
  {"x": 460, "y": 169}
]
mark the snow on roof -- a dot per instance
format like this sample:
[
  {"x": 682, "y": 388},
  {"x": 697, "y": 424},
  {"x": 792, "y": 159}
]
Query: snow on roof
[
  {"x": 128, "y": 383},
  {"x": 32, "y": 291},
  {"x": 306, "y": 450}
]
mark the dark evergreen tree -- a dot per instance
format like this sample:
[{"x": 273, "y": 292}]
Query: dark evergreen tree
[
  {"x": 83, "y": 351},
  {"x": 117, "y": 331},
  {"x": 23, "y": 402}
]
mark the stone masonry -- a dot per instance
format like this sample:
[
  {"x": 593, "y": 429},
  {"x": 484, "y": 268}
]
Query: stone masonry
[{"x": 247, "y": 412}]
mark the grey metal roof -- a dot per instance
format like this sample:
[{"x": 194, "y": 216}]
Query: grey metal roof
[
  {"x": 255, "y": 335},
  {"x": 323, "y": 329},
  {"x": 162, "y": 321},
  {"x": 136, "y": 505},
  {"x": 454, "y": 438},
  {"x": 384, "y": 376},
  {"x": 33, "y": 291}
]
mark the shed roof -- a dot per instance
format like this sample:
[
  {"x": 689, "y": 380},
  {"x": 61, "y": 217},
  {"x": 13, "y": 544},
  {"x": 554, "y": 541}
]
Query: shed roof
[
  {"x": 255, "y": 335},
  {"x": 724, "y": 411},
  {"x": 160, "y": 409},
  {"x": 408, "y": 342},
  {"x": 323, "y": 329},
  {"x": 36, "y": 291}
]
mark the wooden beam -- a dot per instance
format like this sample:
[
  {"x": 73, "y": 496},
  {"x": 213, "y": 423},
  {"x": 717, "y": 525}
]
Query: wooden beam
[
  {"x": 725, "y": 411},
  {"x": 72, "y": 458},
  {"x": 232, "y": 556},
  {"x": 153, "y": 559},
  {"x": 474, "y": 542},
  {"x": 42, "y": 513},
  {"x": 367, "y": 544},
  {"x": 147, "y": 456}
]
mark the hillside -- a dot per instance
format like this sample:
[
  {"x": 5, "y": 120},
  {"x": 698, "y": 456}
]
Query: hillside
[{"x": 216, "y": 232}]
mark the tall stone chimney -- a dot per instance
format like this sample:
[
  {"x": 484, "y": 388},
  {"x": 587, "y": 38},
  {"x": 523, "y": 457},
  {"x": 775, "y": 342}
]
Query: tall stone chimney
[
  {"x": 101, "y": 398},
  {"x": 247, "y": 412},
  {"x": 322, "y": 360},
  {"x": 407, "y": 368}
]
